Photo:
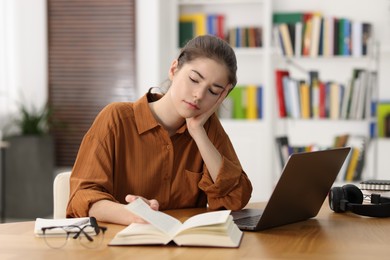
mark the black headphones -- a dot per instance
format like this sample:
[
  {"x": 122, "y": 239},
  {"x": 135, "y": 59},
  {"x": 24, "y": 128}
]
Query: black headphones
[{"x": 350, "y": 198}]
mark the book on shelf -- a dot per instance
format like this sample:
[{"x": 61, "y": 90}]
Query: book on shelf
[
  {"x": 282, "y": 147},
  {"x": 304, "y": 90},
  {"x": 210, "y": 229},
  {"x": 186, "y": 32},
  {"x": 251, "y": 96},
  {"x": 279, "y": 74},
  {"x": 357, "y": 160},
  {"x": 366, "y": 37},
  {"x": 314, "y": 93},
  {"x": 383, "y": 117}
]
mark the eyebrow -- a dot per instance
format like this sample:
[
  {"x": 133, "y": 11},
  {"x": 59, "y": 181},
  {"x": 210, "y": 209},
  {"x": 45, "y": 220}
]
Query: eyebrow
[{"x": 201, "y": 76}]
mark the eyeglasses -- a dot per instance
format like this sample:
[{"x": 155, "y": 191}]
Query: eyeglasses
[{"x": 89, "y": 236}]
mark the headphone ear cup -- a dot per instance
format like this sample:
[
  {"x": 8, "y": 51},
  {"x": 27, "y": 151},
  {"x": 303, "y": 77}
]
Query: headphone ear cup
[
  {"x": 336, "y": 194},
  {"x": 353, "y": 194}
]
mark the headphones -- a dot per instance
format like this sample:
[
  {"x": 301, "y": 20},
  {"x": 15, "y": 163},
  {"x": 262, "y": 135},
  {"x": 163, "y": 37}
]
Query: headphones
[{"x": 350, "y": 198}]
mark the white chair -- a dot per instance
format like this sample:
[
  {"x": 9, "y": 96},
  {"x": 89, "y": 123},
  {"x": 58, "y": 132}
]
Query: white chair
[{"x": 61, "y": 194}]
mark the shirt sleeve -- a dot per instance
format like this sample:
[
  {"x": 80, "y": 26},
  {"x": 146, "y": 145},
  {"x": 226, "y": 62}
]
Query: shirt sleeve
[
  {"x": 232, "y": 188},
  {"x": 91, "y": 178}
]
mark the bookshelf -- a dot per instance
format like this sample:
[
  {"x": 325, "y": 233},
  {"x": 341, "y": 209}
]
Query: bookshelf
[
  {"x": 322, "y": 131},
  {"x": 254, "y": 140}
]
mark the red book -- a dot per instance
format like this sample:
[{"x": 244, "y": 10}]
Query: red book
[
  {"x": 322, "y": 103},
  {"x": 221, "y": 26},
  {"x": 307, "y": 31},
  {"x": 279, "y": 74}
]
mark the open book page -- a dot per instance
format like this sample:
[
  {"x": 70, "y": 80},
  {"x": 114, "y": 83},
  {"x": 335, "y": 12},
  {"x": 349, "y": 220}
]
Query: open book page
[
  {"x": 160, "y": 220},
  {"x": 138, "y": 234},
  {"x": 206, "y": 219},
  {"x": 220, "y": 235}
]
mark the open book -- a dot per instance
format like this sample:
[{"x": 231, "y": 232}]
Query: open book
[{"x": 214, "y": 229}]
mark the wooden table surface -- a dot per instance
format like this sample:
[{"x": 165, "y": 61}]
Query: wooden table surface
[{"x": 328, "y": 236}]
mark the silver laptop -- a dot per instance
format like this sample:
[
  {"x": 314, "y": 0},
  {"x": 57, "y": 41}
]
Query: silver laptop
[{"x": 300, "y": 192}]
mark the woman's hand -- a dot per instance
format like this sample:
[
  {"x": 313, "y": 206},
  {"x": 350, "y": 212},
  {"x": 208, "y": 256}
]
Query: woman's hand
[
  {"x": 197, "y": 122},
  {"x": 152, "y": 203}
]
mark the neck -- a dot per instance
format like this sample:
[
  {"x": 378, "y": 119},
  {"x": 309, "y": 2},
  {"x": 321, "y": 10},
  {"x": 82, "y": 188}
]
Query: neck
[{"x": 165, "y": 114}]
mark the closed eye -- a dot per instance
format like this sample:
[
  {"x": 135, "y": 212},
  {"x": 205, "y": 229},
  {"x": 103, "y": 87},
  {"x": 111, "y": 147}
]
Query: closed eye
[
  {"x": 213, "y": 92},
  {"x": 194, "y": 80}
]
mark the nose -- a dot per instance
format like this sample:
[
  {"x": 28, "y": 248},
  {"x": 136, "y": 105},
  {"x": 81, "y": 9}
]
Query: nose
[{"x": 199, "y": 92}]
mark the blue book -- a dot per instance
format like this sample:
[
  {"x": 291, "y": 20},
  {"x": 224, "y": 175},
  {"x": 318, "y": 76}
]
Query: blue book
[{"x": 260, "y": 102}]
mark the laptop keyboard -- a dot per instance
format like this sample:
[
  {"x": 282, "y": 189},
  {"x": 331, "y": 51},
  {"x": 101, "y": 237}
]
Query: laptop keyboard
[{"x": 249, "y": 221}]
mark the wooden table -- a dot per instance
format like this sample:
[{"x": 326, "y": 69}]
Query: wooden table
[{"x": 328, "y": 236}]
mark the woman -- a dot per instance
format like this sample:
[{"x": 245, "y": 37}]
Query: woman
[{"x": 169, "y": 149}]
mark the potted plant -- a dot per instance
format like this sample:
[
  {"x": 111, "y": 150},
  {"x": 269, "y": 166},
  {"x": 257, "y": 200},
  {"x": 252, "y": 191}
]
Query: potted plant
[{"x": 29, "y": 165}]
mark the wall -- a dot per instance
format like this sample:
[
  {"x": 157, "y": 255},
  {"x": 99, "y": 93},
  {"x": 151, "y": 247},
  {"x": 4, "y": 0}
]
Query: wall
[
  {"x": 24, "y": 30},
  {"x": 154, "y": 41}
]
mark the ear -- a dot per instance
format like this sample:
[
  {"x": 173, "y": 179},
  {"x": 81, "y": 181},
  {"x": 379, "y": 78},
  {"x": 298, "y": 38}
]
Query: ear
[{"x": 173, "y": 69}]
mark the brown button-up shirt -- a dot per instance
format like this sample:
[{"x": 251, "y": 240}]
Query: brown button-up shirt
[{"x": 126, "y": 151}]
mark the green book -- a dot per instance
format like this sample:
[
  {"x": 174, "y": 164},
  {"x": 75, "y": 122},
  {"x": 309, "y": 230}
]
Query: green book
[
  {"x": 287, "y": 18},
  {"x": 238, "y": 97},
  {"x": 186, "y": 32}
]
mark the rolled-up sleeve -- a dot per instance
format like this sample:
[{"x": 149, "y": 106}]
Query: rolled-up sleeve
[{"x": 232, "y": 188}]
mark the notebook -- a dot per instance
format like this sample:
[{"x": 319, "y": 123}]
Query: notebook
[{"x": 300, "y": 192}]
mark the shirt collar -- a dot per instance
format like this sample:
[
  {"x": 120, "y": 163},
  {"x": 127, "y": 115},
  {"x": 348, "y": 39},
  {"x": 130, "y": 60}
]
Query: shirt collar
[{"x": 144, "y": 118}]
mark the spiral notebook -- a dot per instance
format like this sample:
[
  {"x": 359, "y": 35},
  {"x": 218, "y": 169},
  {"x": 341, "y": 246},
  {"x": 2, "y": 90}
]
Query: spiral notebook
[{"x": 300, "y": 192}]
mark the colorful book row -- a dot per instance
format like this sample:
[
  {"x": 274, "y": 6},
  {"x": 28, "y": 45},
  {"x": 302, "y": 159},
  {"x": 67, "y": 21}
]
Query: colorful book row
[
  {"x": 243, "y": 102},
  {"x": 195, "y": 24},
  {"x": 318, "y": 99},
  {"x": 314, "y": 34},
  {"x": 245, "y": 37}
]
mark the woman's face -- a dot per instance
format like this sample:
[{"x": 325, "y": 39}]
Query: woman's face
[{"x": 197, "y": 86}]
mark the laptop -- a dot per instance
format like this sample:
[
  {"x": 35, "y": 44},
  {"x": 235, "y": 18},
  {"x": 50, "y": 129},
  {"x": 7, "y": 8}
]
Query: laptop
[{"x": 300, "y": 192}]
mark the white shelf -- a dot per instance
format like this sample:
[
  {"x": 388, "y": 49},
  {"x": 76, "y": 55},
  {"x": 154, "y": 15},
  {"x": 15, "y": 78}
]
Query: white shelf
[{"x": 219, "y": 2}]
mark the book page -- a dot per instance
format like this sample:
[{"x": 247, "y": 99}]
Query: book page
[
  {"x": 206, "y": 219},
  {"x": 160, "y": 220},
  {"x": 140, "y": 234}
]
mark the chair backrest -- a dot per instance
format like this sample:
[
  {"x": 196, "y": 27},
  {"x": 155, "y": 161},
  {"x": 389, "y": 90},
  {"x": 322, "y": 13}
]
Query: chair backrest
[{"x": 61, "y": 194}]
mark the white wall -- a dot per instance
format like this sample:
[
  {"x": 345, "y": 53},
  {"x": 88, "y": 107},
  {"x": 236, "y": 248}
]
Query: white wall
[
  {"x": 154, "y": 42},
  {"x": 23, "y": 51}
]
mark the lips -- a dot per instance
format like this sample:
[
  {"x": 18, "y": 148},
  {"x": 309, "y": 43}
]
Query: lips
[{"x": 192, "y": 105}]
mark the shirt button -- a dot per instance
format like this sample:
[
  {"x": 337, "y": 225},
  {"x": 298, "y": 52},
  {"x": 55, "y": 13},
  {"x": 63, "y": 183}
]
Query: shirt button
[{"x": 168, "y": 147}]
